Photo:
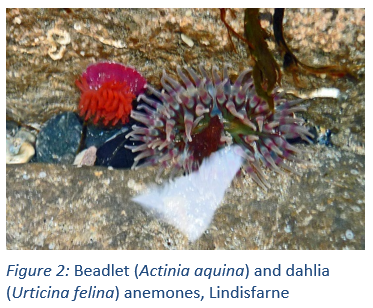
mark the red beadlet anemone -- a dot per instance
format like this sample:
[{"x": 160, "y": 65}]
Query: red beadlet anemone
[
  {"x": 108, "y": 90},
  {"x": 191, "y": 121}
]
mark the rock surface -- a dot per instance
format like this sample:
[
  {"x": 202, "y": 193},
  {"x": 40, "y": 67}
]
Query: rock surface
[
  {"x": 90, "y": 208},
  {"x": 64, "y": 207}
]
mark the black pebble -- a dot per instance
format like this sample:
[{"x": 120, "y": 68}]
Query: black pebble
[
  {"x": 96, "y": 136},
  {"x": 113, "y": 153},
  {"x": 59, "y": 140}
]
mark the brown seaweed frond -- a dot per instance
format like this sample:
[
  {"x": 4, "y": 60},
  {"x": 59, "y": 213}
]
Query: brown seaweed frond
[
  {"x": 266, "y": 71},
  {"x": 293, "y": 65}
]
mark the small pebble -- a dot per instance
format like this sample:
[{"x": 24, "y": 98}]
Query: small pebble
[
  {"x": 187, "y": 40},
  {"x": 130, "y": 183},
  {"x": 287, "y": 229},
  {"x": 42, "y": 175},
  {"x": 361, "y": 38},
  {"x": 349, "y": 235},
  {"x": 17, "y": 20},
  {"x": 354, "y": 172},
  {"x": 86, "y": 157}
]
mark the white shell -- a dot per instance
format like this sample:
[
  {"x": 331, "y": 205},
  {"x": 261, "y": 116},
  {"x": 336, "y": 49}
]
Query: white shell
[{"x": 23, "y": 155}]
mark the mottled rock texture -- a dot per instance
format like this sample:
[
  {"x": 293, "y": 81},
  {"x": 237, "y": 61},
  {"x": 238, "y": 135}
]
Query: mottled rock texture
[
  {"x": 50, "y": 207},
  {"x": 90, "y": 208}
]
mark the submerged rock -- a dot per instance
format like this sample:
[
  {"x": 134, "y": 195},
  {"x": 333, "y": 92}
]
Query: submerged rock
[
  {"x": 59, "y": 140},
  {"x": 322, "y": 209}
]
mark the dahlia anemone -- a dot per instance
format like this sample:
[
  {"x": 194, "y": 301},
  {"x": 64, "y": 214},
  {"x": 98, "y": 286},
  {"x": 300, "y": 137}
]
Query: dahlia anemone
[
  {"x": 191, "y": 121},
  {"x": 108, "y": 90}
]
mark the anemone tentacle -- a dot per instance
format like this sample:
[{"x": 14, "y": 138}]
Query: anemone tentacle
[{"x": 204, "y": 113}]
